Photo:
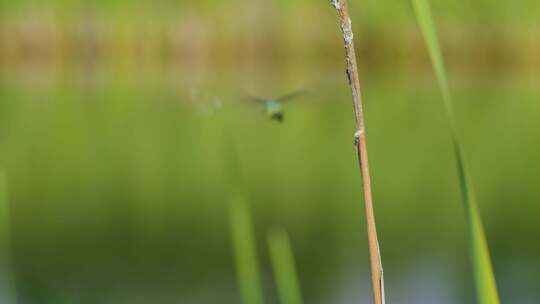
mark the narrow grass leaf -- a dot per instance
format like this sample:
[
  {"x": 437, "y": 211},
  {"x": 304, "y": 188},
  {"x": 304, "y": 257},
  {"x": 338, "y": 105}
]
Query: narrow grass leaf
[
  {"x": 7, "y": 280},
  {"x": 486, "y": 289},
  {"x": 245, "y": 251},
  {"x": 284, "y": 267}
]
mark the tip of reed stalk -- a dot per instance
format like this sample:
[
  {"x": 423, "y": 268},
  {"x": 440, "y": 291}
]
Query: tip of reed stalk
[{"x": 336, "y": 4}]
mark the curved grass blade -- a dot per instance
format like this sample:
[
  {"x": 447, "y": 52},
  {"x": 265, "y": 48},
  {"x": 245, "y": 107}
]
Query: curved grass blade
[
  {"x": 284, "y": 267},
  {"x": 245, "y": 251},
  {"x": 7, "y": 279},
  {"x": 486, "y": 288}
]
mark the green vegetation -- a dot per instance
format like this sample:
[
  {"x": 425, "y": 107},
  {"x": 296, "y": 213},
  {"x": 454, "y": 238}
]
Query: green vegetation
[
  {"x": 284, "y": 267},
  {"x": 122, "y": 182},
  {"x": 7, "y": 279},
  {"x": 486, "y": 289},
  {"x": 245, "y": 253}
]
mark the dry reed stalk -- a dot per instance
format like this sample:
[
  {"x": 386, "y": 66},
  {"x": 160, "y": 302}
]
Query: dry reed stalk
[{"x": 377, "y": 279}]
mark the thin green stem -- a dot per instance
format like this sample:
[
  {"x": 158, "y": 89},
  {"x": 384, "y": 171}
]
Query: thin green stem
[
  {"x": 284, "y": 267},
  {"x": 6, "y": 263}
]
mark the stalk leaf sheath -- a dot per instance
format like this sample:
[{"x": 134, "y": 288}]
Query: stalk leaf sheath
[{"x": 377, "y": 279}]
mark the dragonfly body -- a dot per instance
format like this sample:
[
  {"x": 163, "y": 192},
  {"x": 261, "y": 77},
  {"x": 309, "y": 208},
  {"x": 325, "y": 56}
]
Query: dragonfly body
[{"x": 273, "y": 107}]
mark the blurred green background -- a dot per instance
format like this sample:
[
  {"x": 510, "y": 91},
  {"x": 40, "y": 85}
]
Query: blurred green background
[{"x": 117, "y": 119}]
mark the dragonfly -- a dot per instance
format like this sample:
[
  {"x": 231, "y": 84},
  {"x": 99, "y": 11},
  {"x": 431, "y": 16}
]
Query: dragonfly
[{"x": 273, "y": 107}]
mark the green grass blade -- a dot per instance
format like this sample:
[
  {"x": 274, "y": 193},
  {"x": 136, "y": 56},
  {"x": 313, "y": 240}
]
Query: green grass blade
[
  {"x": 6, "y": 267},
  {"x": 245, "y": 252},
  {"x": 284, "y": 267},
  {"x": 486, "y": 289}
]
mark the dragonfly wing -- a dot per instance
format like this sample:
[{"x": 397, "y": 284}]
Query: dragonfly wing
[
  {"x": 254, "y": 99},
  {"x": 291, "y": 95}
]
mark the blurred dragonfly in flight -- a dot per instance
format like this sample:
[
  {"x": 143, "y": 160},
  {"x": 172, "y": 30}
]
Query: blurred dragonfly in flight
[{"x": 273, "y": 107}]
